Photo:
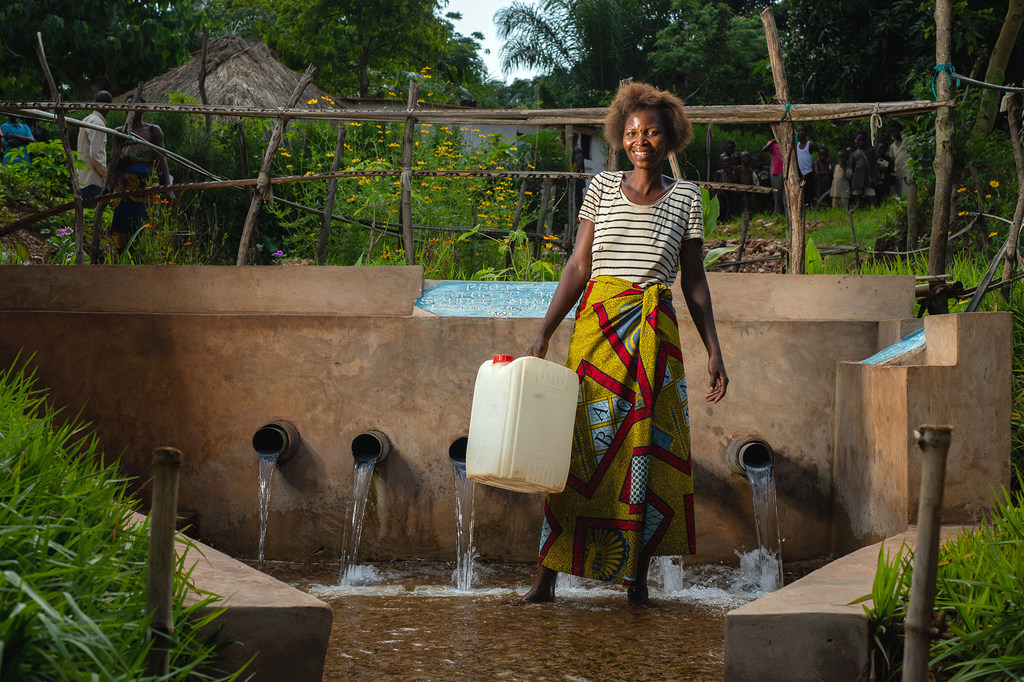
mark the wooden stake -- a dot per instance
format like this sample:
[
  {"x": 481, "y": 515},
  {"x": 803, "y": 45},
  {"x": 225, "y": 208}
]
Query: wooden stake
[
  {"x": 853, "y": 233},
  {"x": 332, "y": 188},
  {"x": 263, "y": 181},
  {"x": 943, "y": 162},
  {"x": 160, "y": 571},
  {"x": 784, "y": 136},
  {"x": 69, "y": 156},
  {"x": 202, "y": 81},
  {"x": 1013, "y": 110},
  {"x": 934, "y": 444},
  {"x": 406, "y": 199}
]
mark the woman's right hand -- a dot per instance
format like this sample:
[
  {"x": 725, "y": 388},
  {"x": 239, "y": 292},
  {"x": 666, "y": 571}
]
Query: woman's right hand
[{"x": 539, "y": 347}]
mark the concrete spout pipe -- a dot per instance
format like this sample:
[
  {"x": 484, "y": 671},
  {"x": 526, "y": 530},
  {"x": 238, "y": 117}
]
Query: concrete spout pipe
[
  {"x": 276, "y": 441},
  {"x": 457, "y": 450},
  {"x": 370, "y": 446},
  {"x": 749, "y": 453}
]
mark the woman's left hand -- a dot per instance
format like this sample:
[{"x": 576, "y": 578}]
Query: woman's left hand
[{"x": 719, "y": 380}]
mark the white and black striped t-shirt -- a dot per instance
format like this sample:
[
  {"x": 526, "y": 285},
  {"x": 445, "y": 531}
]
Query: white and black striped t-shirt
[{"x": 640, "y": 242}]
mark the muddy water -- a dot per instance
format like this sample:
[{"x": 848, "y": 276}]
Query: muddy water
[{"x": 405, "y": 621}]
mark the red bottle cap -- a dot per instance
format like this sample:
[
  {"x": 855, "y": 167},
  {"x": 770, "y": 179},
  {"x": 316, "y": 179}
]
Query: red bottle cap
[{"x": 503, "y": 358}]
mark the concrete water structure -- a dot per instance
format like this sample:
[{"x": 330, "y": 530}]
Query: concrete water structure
[{"x": 200, "y": 357}]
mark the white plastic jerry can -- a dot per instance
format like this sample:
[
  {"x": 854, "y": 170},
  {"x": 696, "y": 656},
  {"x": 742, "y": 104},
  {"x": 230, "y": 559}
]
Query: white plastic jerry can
[{"x": 520, "y": 430}]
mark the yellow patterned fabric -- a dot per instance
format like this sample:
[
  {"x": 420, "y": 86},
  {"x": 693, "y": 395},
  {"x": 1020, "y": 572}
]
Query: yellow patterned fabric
[{"x": 630, "y": 490}]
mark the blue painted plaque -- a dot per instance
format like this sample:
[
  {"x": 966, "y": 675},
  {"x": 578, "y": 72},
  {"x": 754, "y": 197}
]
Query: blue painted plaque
[
  {"x": 488, "y": 299},
  {"x": 905, "y": 345}
]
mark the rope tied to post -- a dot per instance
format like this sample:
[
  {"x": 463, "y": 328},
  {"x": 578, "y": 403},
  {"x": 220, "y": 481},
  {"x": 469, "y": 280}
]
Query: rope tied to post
[
  {"x": 950, "y": 72},
  {"x": 786, "y": 112},
  {"x": 875, "y": 123}
]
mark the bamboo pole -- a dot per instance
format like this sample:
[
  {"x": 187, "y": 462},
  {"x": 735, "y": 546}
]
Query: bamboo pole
[
  {"x": 726, "y": 115},
  {"x": 784, "y": 136},
  {"x": 853, "y": 233},
  {"x": 943, "y": 162},
  {"x": 160, "y": 569},
  {"x": 1013, "y": 113},
  {"x": 405, "y": 206},
  {"x": 202, "y": 82},
  {"x": 250, "y": 182},
  {"x": 332, "y": 188},
  {"x": 934, "y": 444},
  {"x": 263, "y": 181},
  {"x": 69, "y": 157}
]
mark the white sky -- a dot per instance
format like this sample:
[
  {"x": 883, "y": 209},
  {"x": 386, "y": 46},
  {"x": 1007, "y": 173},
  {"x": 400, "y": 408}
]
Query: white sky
[{"x": 477, "y": 15}]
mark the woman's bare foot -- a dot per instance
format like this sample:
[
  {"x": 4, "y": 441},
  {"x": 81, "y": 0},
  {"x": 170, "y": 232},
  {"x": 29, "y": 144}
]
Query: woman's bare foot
[
  {"x": 637, "y": 592},
  {"x": 543, "y": 589}
]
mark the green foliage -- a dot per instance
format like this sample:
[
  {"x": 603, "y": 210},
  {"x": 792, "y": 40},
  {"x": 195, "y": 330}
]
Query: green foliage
[
  {"x": 980, "y": 581},
  {"x": 72, "y": 600},
  {"x": 92, "y": 44},
  {"x": 812, "y": 259},
  {"x": 709, "y": 54}
]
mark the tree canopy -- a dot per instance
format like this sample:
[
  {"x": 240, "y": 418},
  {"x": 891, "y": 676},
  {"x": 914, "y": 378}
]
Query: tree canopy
[{"x": 92, "y": 44}]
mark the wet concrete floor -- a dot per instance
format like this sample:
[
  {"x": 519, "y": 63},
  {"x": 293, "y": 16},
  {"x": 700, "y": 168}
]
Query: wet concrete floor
[{"x": 405, "y": 621}]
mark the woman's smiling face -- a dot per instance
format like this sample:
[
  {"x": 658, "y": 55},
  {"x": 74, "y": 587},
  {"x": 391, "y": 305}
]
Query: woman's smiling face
[{"x": 644, "y": 139}]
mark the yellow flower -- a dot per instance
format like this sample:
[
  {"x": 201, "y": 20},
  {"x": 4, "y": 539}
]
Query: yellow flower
[
  {"x": 991, "y": 234},
  {"x": 993, "y": 183},
  {"x": 961, "y": 214},
  {"x": 288, "y": 166},
  {"x": 330, "y": 155},
  {"x": 312, "y": 101},
  {"x": 285, "y": 154},
  {"x": 988, "y": 196}
]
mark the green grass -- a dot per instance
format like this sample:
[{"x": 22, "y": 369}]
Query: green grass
[
  {"x": 72, "y": 564},
  {"x": 978, "y": 601}
]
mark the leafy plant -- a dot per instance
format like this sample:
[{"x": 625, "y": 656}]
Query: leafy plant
[
  {"x": 71, "y": 598},
  {"x": 978, "y": 606}
]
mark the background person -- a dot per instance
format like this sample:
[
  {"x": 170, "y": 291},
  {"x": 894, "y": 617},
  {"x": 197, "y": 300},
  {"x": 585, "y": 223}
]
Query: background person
[
  {"x": 138, "y": 167},
  {"x": 637, "y": 230},
  {"x": 92, "y": 150},
  {"x": 17, "y": 136}
]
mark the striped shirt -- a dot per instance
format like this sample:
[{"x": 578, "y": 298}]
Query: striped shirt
[{"x": 640, "y": 242}]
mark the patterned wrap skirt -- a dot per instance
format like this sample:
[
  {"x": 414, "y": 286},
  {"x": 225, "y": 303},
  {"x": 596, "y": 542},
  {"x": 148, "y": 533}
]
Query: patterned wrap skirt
[{"x": 630, "y": 491}]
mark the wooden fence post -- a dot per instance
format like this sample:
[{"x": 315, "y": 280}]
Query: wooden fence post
[
  {"x": 406, "y": 202},
  {"x": 943, "y": 162},
  {"x": 784, "y": 136},
  {"x": 934, "y": 443},
  {"x": 263, "y": 180},
  {"x": 1013, "y": 112},
  {"x": 160, "y": 568},
  {"x": 332, "y": 188},
  {"x": 69, "y": 156}
]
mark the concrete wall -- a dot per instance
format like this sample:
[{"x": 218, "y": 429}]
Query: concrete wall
[
  {"x": 961, "y": 378},
  {"x": 199, "y": 358}
]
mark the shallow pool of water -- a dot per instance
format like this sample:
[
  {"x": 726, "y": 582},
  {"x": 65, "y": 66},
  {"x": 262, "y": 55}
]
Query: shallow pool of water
[{"x": 405, "y": 620}]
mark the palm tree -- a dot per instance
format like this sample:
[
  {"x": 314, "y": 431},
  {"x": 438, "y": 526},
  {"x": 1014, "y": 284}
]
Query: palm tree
[{"x": 587, "y": 45}]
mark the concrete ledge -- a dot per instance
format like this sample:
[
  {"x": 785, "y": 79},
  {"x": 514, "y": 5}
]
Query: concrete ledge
[
  {"x": 328, "y": 290},
  {"x": 285, "y": 629},
  {"x": 809, "y": 630}
]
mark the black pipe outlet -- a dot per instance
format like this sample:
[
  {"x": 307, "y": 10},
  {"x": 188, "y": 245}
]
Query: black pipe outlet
[
  {"x": 457, "y": 450},
  {"x": 371, "y": 446},
  {"x": 276, "y": 441}
]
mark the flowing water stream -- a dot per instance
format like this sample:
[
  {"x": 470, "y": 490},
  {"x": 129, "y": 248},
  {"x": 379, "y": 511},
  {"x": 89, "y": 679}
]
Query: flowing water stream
[
  {"x": 465, "y": 490},
  {"x": 361, "y": 476},
  {"x": 767, "y": 559},
  {"x": 267, "y": 464}
]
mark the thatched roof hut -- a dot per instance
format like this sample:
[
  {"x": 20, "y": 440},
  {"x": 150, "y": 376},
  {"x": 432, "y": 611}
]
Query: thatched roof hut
[{"x": 238, "y": 72}]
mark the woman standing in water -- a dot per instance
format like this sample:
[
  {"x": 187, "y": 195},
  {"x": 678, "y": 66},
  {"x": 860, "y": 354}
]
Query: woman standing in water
[{"x": 630, "y": 492}]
